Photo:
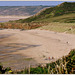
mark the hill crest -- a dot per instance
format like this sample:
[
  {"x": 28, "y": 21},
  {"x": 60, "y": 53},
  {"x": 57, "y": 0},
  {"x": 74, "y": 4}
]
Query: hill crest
[{"x": 62, "y": 9}]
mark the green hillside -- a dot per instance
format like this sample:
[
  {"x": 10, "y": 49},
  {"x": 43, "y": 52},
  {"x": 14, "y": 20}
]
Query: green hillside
[{"x": 65, "y": 12}]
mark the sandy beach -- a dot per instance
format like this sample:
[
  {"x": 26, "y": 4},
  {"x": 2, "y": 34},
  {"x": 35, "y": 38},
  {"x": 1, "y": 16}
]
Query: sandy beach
[
  {"x": 9, "y": 18},
  {"x": 36, "y": 44}
]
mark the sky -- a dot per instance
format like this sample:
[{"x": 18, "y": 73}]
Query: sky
[{"x": 30, "y": 3}]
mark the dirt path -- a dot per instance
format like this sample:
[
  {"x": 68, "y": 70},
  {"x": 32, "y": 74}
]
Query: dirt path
[{"x": 37, "y": 45}]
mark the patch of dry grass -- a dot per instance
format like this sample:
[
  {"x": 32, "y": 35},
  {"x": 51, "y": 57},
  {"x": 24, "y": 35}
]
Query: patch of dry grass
[{"x": 60, "y": 27}]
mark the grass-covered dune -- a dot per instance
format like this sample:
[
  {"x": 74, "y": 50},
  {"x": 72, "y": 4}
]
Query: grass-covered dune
[
  {"x": 66, "y": 10},
  {"x": 64, "y": 65}
]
